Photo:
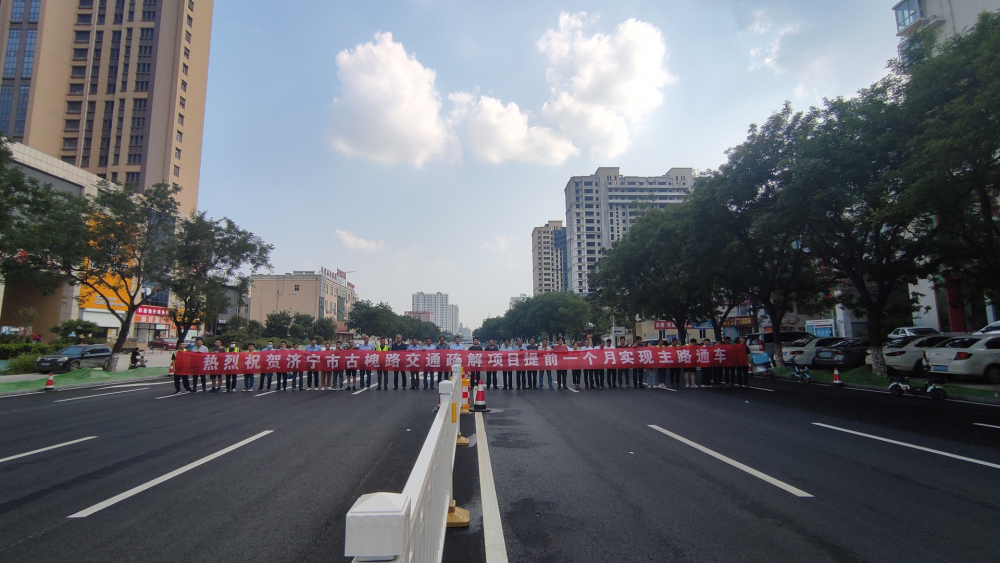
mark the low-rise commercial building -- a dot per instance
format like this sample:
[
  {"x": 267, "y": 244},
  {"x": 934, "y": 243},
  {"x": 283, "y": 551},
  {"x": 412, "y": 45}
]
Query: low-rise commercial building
[{"x": 324, "y": 294}]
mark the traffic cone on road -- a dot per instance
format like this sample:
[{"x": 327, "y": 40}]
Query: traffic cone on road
[
  {"x": 50, "y": 383},
  {"x": 480, "y": 405},
  {"x": 836, "y": 378},
  {"x": 171, "y": 370}
]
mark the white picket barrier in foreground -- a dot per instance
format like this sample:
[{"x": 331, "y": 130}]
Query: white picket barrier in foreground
[{"x": 410, "y": 527}]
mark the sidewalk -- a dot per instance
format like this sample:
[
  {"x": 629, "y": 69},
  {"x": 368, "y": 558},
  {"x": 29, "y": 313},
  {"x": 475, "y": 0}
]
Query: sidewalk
[{"x": 155, "y": 359}]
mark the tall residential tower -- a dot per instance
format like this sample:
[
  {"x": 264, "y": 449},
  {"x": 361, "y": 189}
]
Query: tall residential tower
[
  {"x": 115, "y": 87},
  {"x": 548, "y": 258}
]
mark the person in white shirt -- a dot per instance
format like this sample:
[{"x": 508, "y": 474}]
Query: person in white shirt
[
  {"x": 508, "y": 376},
  {"x": 588, "y": 374},
  {"x": 541, "y": 375}
]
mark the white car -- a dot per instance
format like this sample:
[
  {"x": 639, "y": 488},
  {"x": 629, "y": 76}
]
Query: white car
[
  {"x": 993, "y": 328},
  {"x": 907, "y": 354},
  {"x": 975, "y": 355},
  {"x": 803, "y": 350},
  {"x": 904, "y": 331}
]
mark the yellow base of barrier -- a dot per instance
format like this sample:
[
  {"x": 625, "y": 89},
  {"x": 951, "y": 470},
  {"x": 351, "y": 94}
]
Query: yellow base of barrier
[{"x": 457, "y": 517}]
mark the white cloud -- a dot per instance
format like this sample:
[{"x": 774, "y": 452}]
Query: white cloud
[
  {"x": 614, "y": 80},
  {"x": 496, "y": 132},
  {"x": 499, "y": 245},
  {"x": 390, "y": 110},
  {"x": 354, "y": 242}
]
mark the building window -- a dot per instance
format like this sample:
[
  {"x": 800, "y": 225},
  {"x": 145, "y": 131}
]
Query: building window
[
  {"x": 17, "y": 12},
  {"x": 146, "y": 33},
  {"x": 177, "y": 154},
  {"x": 145, "y": 50},
  {"x": 907, "y": 13},
  {"x": 13, "y": 46},
  {"x": 184, "y": 69},
  {"x": 296, "y": 287},
  {"x": 177, "y": 170},
  {"x": 135, "y": 158},
  {"x": 81, "y": 37},
  {"x": 131, "y": 15},
  {"x": 180, "y": 137},
  {"x": 187, "y": 53},
  {"x": 142, "y": 67},
  {"x": 190, "y": 21},
  {"x": 138, "y": 122},
  {"x": 80, "y": 54},
  {"x": 180, "y": 119},
  {"x": 136, "y": 140},
  {"x": 83, "y": 19},
  {"x": 74, "y": 107},
  {"x": 87, "y": 4},
  {"x": 35, "y": 8},
  {"x": 139, "y": 103},
  {"x": 141, "y": 85},
  {"x": 191, "y": 5},
  {"x": 69, "y": 159},
  {"x": 131, "y": 178},
  {"x": 27, "y": 66},
  {"x": 184, "y": 86},
  {"x": 69, "y": 144},
  {"x": 148, "y": 15},
  {"x": 78, "y": 72},
  {"x": 72, "y": 125},
  {"x": 183, "y": 102},
  {"x": 6, "y": 103},
  {"x": 187, "y": 36}
]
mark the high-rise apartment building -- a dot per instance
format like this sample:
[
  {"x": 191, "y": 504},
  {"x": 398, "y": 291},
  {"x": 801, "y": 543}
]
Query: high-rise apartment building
[
  {"x": 115, "y": 87},
  {"x": 443, "y": 314},
  {"x": 548, "y": 258},
  {"x": 601, "y": 207},
  {"x": 948, "y": 17}
]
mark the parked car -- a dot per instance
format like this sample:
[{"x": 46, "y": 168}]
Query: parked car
[
  {"x": 993, "y": 328},
  {"x": 904, "y": 331},
  {"x": 849, "y": 353},
  {"x": 975, "y": 355},
  {"x": 73, "y": 358},
  {"x": 907, "y": 354},
  {"x": 765, "y": 342},
  {"x": 163, "y": 344},
  {"x": 803, "y": 350}
]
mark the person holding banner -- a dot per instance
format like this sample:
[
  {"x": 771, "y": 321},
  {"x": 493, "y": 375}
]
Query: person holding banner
[
  {"x": 743, "y": 370},
  {"x": 560, "y": 373},
  {"x": 576, "y": 372},
  {"x": 216, "y": 379},
  {"x": 231, "y": 378},
  {"x": 198, "y": 346},
  {"x": 443, "y": 375},
  {"x": 588, "y": 374},
  {"x": 491, "y": 346},
  {"x": 383, "y": 376},
  {"x": 366, "y": 374},
  {"x": 312, "y": 376},
  {"x": 522, "y": 376},
  {"x": 248, "y": 378},
  {"x": 689, "y": 371},
  {"x": 508, "y": 376},
  {"x": 268, "y": 348},
  {"x": 351, "y": 375},
  {"x": 397, "y": 346},
  {"x": 532, "y": 380},
  {"x": 326, "y": 377},
  {"x": 675, "y": 372}
]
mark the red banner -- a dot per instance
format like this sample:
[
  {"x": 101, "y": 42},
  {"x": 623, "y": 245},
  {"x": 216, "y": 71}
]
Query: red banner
[{"x": 191, "y": 363}]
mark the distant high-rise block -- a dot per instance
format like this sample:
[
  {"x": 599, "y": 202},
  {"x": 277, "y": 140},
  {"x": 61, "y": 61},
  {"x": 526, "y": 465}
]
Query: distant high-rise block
[{"x": 548, "y": 258}]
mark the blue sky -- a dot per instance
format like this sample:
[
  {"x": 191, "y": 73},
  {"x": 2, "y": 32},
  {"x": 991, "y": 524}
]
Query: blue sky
[{"x": 419, "y": 142}]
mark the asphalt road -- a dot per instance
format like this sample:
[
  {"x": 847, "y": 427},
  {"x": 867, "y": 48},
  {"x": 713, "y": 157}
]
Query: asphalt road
[{"x": 579, "y": 476}]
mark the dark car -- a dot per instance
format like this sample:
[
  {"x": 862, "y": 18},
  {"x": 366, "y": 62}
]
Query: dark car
[
  {"x": 73, "y": 358},
  {"x": 163, "y": 344},
  {"x": 849, "y": 353}
]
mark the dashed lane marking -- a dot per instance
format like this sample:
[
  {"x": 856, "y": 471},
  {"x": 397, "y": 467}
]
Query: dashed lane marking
[
  {"x": 38, "y": 451},
  {"x": 100, "y": 395},
  {"x": 913, "y": 446}
]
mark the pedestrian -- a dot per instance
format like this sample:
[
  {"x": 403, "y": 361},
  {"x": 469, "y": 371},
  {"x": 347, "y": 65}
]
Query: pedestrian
[
  {"x": 312, "y": 376},
  {"x": 560, "y": 373},
  {"x": 637, "y": 372},
  {"x": 231, "y": 378},
  {"x": 474, "y": 376},
  {"x": 399, "y": 345},
  {"x": 415, "y": 344},
  {"x": 729, "y": 371},
  {"x": 675, "y": 371},
  {"x": 326, "y": 377},
  {"x": 508, "y": 376},
  {"x": 198, "y": 346},
  {"x": 248, "y": 378},
  {"x": 532, "y": 374},
  {"x": 216, "y": 379},
  {"x": 297, "y": 375},
  {"x": 491, "y": 376},
  {"x": 599, "y": 374},
  {"x": 457, "y": 345},
  {"x": 522, "y": 376},
  {"x": 282, "y": 381},
  {"x": 690, "y": 370},
  {"x": 338, "y": 374},
  {"x": 268, "y": 348},
  {"x": 383, "y": 376},
  {"x": 661, "y": 373},
  {"x": 366, "y": 374},
  {"x": 588, "y": 374},
  {"x": 444, "y": 374},
  {"x": 178, "y": 379},
  {"x": 541, "y": 375},
  {"x": 743, "y": 370},
  {"x": 351, "y": 379},
  {"x": 576, "y": 372},
  {"x": 429, "y": 375}
]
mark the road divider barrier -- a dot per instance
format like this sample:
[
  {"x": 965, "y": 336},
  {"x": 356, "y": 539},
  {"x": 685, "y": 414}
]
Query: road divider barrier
[
  {"x": 465, "y": 395},
  {"x": 410, "y": 526}
]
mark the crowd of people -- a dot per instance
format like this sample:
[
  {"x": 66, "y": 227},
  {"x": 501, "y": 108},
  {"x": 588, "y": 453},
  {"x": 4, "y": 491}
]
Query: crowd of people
[{"x": 355, "y": 379}]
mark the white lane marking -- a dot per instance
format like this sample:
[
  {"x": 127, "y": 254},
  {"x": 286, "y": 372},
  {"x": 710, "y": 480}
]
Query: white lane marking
[
  {"x": 363, "y": 389},
  {"x": 496, "y": 547},
  {"x": 974, "y": 423},
  {"x": 101, "y": 395},
  {"x": 133, "y": 385},
  {"x": 665, "y": 389},
  {"x": 47, "y": 449},
  {"x": 22, "y": 394},
  {"x": 973, "y": 403},
  {"x": 134, "y": 491},
  {"x": 268, "y": 393},
  {"x": 760, "y": 388},
  {"x": 172, "y": 395},
  {"x": 573, "y": 390},
  {"x": 914, "y": 446},
  {"x": 763, "y": 476},
  {"x": 867, "y": 390}
]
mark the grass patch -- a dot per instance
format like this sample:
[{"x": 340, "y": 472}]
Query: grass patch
[
  {"x": 865, "y": 376},
  {"x": 84, "y": 375}
]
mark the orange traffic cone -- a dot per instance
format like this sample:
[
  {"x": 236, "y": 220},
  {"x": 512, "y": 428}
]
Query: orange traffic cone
[
  {"x": 171, "y": 370},
  {"x": 480, "y": 405},
  {"x": 836, "y": 378},
  {"x": 50, "y": 384}
]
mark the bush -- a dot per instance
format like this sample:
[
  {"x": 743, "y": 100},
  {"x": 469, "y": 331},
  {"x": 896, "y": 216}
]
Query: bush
[
  {"x": 15, "y": 350},
  {"x": 24, "y": 363}
]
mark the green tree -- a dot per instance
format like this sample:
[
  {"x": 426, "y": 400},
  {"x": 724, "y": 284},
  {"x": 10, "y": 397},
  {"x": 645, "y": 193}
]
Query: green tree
[
  {"x": 492, "y": 327},
  {"x": 302, "y": 326},
  {"x": 325, "y": 328},
  {"x": 557, "y": 313},
  {"x": 369, "y": 318},
  {"x": 276, "y": 324},
  {"x": 76, "y": 328}
]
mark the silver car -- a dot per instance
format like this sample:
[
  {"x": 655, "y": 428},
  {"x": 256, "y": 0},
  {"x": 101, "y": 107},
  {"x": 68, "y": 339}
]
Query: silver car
[
  {"x": 803, "y": 350},
  {"x": 906, "y": 355},
  {"x": 904, "y": 331},
  {"x": 974, "y": 355}
]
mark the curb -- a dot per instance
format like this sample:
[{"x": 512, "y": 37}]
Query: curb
[
  {"x": 951, "y": 396},
  {"x": 82, "y": 385}
]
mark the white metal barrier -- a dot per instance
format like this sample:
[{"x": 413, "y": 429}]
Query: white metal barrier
[{"x": 410, "y": 527}]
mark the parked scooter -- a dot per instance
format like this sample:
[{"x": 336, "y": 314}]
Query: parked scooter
[
  {"x": 931, "y": 388},
  {"x": 761, "y": 365},
  {"x": 801, "y": 373},
  {"x": 137, "y": 360}
]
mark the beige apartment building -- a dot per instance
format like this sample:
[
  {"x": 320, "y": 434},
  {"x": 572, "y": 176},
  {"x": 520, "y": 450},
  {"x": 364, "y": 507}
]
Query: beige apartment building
[
  {"x": 115, "y": 87},
  {"x": 324, "y": 294},
  {"x": 548, "y": 258}
]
